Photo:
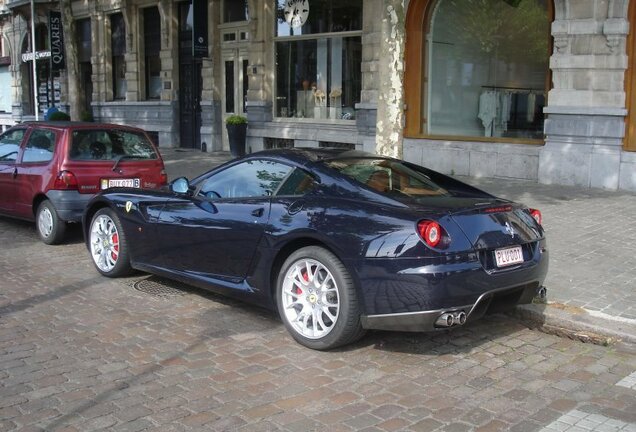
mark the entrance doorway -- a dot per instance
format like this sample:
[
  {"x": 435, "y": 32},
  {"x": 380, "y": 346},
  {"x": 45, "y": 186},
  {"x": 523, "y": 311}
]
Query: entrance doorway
[
  {"x": 235, "y": 64},
  {"x": 190, "y": 82}
]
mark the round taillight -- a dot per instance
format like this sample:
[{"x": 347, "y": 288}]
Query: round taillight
[
  {"x": 163, "y": 177},
  {"x": 65, "y": 180},
  {"x": 536, "y": 214},
  {"x": 430, "y": 231}
]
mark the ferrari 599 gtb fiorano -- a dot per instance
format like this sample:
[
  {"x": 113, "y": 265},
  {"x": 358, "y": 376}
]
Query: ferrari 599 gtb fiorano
[{"x": 337, "y": 241}]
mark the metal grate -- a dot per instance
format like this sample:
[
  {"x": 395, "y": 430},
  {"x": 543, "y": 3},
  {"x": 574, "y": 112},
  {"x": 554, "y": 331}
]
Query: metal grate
[
  {"x": 332, "y": 144},
  {"x": 160, "y": 287},
  {"x": 277, "y": 143}
]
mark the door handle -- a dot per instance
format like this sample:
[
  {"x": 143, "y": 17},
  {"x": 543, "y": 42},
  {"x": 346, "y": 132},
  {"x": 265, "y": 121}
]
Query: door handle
[{"x": 258, "y": 212}]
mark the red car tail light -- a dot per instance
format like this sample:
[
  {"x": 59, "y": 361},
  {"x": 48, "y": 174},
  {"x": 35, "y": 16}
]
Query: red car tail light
[
  {"x": 536, "y": 214},
  {"x": 163, "y": 178},
  {"x": 65, "y": 180},
  {"x": 430, "y": 231}
]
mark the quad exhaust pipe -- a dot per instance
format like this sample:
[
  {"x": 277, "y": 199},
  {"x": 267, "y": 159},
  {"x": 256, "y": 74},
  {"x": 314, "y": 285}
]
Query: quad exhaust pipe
[
  {"x": 543, "y": 293},
  {"x": 450, "y": 319}
]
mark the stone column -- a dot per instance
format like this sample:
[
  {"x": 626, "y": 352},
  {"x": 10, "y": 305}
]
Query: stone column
[
  {"x": 132, "y": 52},
  {"x": 211, "y": 114},
  {"x": 367, "y": 109},
  {"x": 390, "y": 120},
  {"x": 75, "y": 95},
  {"x": 585, "y": 115},
  {"x": 259, "y": 94}
]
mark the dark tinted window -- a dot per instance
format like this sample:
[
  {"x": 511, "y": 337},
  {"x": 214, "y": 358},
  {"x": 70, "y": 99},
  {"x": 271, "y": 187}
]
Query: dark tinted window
[
  {"x": 10, "y": 144},
  {"x": 255, "y": 178},
  {"x": 388, "y": 177},
  {"x": 110, "y": 145},
  {"x": 235, "y": 10},
  {"x": 297, "y": 183},
  {"x": 40, "y": 146}
]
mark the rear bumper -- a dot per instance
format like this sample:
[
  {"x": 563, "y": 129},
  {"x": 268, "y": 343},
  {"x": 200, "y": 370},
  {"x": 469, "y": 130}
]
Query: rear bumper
[
  {"x": 411, "y": 295},
  {"x": 497, "y": 300},
  {"x": 69, "y": 205}
]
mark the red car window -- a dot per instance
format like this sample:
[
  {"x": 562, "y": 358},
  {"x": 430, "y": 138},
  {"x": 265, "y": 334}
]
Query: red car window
[
  {"x": 10, "y": 145},
  {"x": 40, "y": 146}
]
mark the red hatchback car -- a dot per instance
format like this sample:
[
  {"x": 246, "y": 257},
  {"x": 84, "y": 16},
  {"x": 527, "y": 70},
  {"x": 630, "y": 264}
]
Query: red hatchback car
[{"x": 49, "y": 170}]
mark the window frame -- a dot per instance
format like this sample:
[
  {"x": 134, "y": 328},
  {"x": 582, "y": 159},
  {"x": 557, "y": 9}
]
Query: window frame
[
  {"x": 304, "y": 37},
  {"x": 416, "y": 64}
]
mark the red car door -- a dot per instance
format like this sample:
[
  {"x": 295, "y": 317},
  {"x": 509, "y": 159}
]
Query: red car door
[
  {"x": 33, "y": 170},
  {"x": 9, "y": 149}
]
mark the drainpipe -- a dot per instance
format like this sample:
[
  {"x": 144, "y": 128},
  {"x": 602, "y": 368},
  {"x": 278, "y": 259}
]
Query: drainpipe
[{"x": 35, "y": 71}]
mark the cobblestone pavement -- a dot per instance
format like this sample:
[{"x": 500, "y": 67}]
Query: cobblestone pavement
[{"x": 79, "y": 352}]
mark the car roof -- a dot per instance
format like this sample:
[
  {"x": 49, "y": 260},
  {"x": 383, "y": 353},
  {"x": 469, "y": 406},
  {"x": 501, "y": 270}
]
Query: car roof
[
  {"x": 310, "y": 154},
  {"x": 77, "y": 125}
]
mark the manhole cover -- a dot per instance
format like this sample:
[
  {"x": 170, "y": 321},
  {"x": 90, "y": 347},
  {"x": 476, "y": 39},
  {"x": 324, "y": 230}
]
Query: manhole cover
[{"x": 160, "y": 287}]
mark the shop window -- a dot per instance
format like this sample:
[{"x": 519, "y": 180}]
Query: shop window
[
  {"x": 235, "y": 10},
  {"x": 483, "y": 68},
  {"x": 118, "y": 49},
  {"x": 152, "y": 48},
  {"x": 318, "y": 65}
]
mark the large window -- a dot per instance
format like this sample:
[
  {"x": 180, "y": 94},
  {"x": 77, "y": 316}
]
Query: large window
[
  {"x": 84, "y": 53},
  {"x": 118, "y": 48},
  {"x": 318, "y": 58},
  {"x": 235, "y": 10},
  {"x": 483, "y": 69},
  {"x": 152, "y": 48}
]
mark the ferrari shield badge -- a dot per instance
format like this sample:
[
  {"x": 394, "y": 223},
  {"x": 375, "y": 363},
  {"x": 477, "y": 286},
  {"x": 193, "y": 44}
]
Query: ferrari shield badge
[{"x": 129, "y": 206}]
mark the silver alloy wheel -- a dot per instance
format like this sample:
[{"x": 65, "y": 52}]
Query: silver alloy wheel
[
  {"x": 45, "y": 222},
  {"x": 104, "y": 243},
  {"x": 310, "y": 298}
]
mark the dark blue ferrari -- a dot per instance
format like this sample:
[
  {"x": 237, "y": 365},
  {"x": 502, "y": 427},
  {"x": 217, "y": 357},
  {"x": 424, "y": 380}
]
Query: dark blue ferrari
[{"x": 337, "y": 241}]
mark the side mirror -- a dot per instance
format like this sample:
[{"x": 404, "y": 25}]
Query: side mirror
[{"x": 180, "y": 185}]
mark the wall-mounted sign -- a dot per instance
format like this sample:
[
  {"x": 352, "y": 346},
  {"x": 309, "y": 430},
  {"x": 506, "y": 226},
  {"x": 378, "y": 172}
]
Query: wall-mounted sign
[
  {"x": 200, "y": 28},
  {"x": 56, "y": 36},
  {"x": 26, "y": 57}
]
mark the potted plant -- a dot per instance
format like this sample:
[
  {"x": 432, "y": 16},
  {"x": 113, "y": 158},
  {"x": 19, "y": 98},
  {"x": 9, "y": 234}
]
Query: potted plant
[{"x": 236, "y": 133}]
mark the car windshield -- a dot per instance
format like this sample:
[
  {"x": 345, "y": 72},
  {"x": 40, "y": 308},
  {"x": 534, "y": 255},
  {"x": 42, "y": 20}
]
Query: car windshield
[
  {"x": 388, "y": 177},
  {"x": 10, "y": 144},
  {"x": 110, "y": 144}
]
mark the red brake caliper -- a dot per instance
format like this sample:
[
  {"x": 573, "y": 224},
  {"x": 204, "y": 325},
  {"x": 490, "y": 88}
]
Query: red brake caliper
[
  {"x": 306, "y": 278},
  {"x": 115, "y": 241}
]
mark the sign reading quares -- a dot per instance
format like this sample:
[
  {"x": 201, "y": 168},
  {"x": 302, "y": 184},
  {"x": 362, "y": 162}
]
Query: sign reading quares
[{"x": 56, "y": 36}]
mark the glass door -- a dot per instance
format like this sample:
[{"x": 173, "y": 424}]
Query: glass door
[{"x": 235, "y": 84}]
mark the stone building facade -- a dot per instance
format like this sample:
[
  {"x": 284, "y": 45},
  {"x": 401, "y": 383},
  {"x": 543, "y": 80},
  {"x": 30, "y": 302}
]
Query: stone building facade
[{"x": 523, "y": 89}]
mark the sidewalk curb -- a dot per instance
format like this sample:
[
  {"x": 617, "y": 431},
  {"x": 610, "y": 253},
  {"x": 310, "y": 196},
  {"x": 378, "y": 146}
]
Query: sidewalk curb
[{"x": 575, "y": 323}]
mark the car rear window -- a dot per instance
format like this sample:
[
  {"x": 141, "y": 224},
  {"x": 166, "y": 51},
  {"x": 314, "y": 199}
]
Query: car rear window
[
  {"x": 388, "y": 177},
  {"x": 110, "y": 144}
]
